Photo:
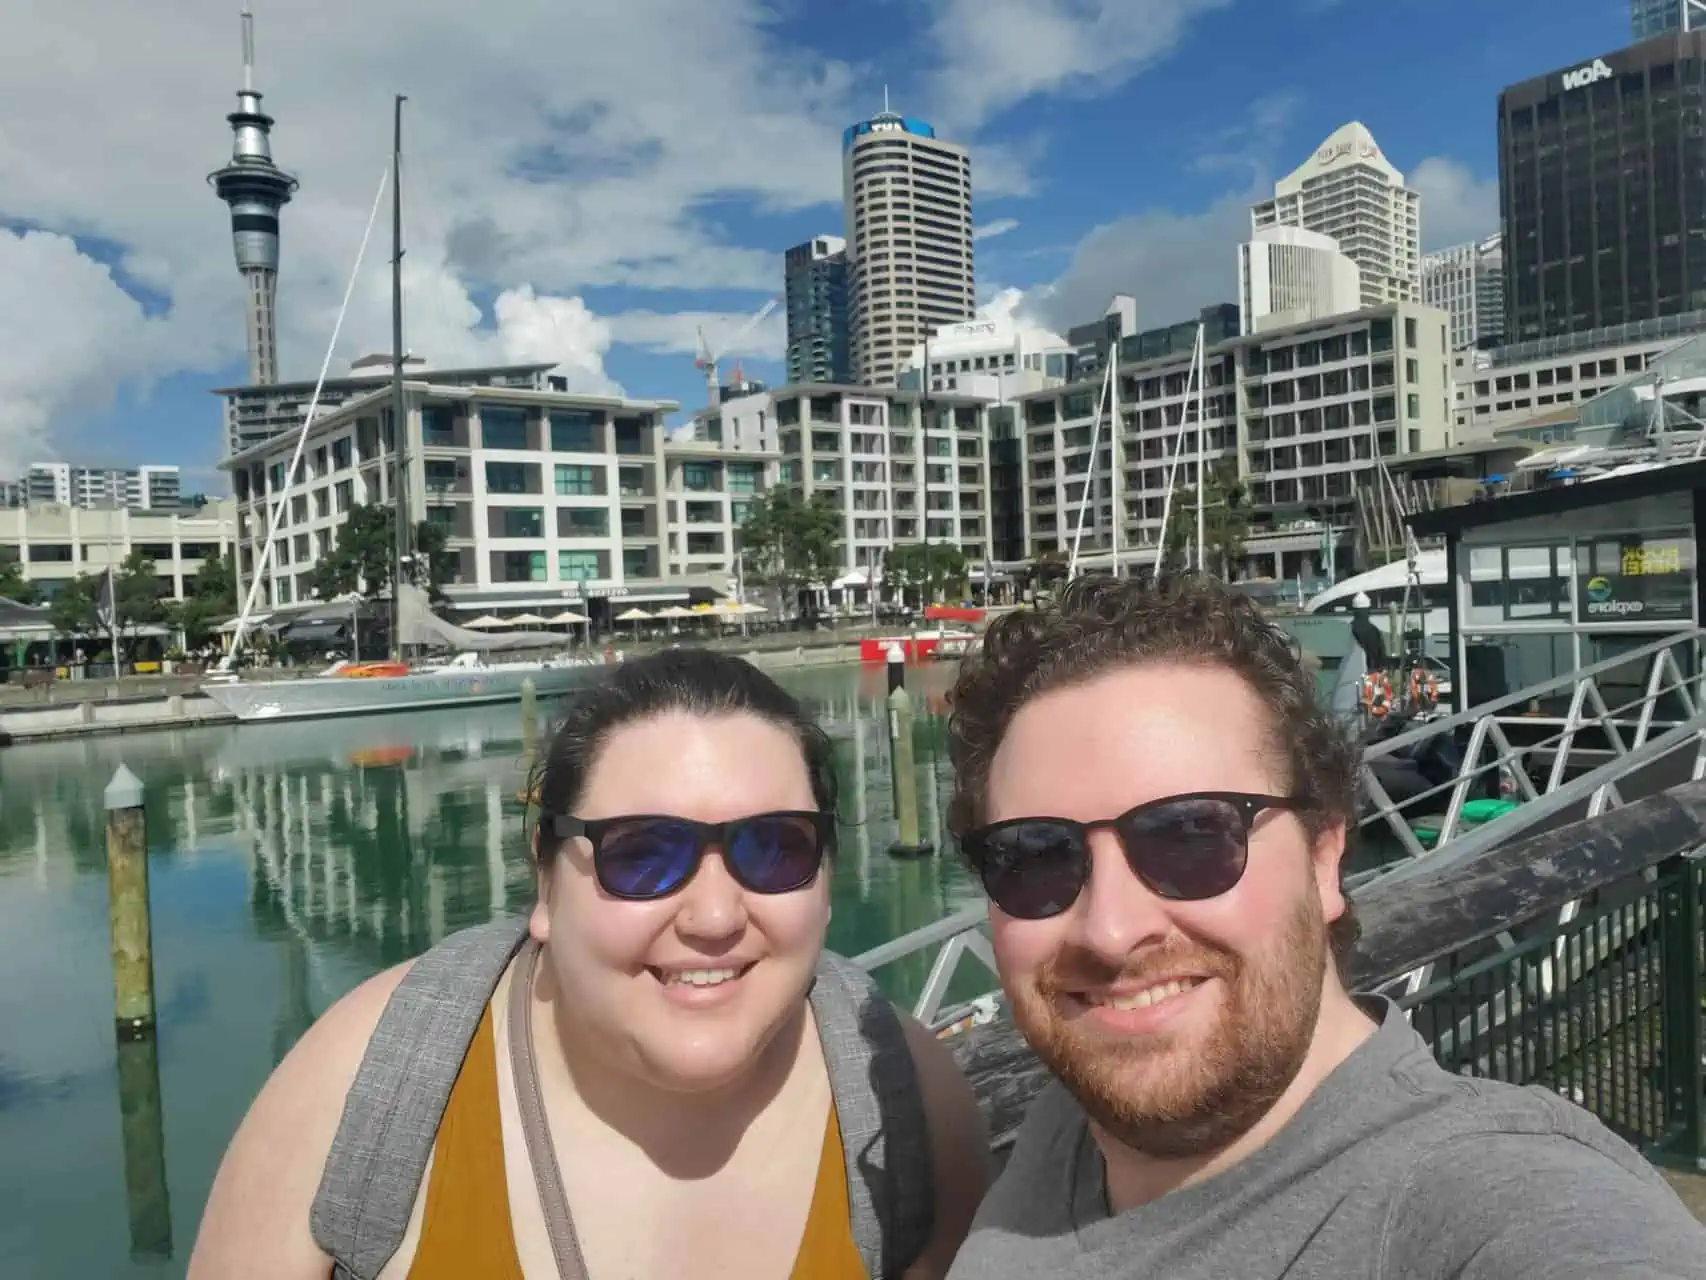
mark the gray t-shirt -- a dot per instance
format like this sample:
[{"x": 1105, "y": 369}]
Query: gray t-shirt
[{"x": 1394, "y": 1169}]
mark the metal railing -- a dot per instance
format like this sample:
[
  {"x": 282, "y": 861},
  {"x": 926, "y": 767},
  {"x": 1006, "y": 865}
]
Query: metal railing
[
  {"x": 1604, "y": 1009},
  {"x": 1585, "y": 760}
]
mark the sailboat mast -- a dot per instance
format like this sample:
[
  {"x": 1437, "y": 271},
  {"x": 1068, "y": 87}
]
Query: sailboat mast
[
  {"x": 1119, "y": 465},
  {"x": 1202, "y": 450},
  {"x": 399, "y": 416}
]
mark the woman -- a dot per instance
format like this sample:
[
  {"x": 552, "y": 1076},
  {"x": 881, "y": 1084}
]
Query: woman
[{"x": 662, "y": 1074}]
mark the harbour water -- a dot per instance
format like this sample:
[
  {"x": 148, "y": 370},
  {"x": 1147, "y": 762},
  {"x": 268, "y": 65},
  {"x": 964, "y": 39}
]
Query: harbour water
[{"x": 289, "y": 862}]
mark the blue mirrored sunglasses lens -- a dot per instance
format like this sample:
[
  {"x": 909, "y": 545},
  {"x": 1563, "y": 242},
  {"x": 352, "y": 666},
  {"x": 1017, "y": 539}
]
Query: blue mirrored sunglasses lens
[
  {"x": 647, "y": 859},
  {"x": 775, "y": 854}
]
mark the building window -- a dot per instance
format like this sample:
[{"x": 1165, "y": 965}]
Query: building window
[
  {"x": 697, "y": 477},
  {"x": 509, "y": 477},
  {"x": 575, "y": 482},
  {"x": 503, "y": 427},
  {"x": 1412, "y": 405},
  {"x": 742, "y": 477},
  {"x": 577, "y": 566},
  {"x": 523, "y": 566},
  {"x": 636, "y": 563},
  {"x": 1412, "y": 338},
  {"x": 583, "y": 522},
  {"x": 521, "y": 522},
  {"x": 438, "y": 424},
  {"x": 574, "y": 431}
]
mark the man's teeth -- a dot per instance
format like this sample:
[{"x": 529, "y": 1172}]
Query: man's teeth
[
  {"x": 701, "y": 977},
  {"x": 1149, "y": 995}
]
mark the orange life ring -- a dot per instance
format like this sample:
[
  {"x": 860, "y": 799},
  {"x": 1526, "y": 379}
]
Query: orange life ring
[
  {"x": 1423, "y": 686},
  {"x": 1376, "y": 694}
]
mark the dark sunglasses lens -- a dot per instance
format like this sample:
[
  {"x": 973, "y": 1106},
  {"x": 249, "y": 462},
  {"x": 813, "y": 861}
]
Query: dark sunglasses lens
[
  {"x": 647, "y": 858},
  {"x": 1033, "y": 869},
  {"x": 775, "y": 853},
  {"x": 1187, "y": 849}
]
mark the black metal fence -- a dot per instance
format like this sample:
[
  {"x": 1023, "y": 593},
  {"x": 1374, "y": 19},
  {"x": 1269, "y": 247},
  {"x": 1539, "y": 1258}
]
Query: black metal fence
[{"x": 1602, "y": 1005}]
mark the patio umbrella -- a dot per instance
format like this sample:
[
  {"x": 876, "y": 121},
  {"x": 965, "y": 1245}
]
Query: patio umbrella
[
  {"x": 675, "y": 611},
  {"x": 527, "y": 620},
  {"x": 634, "y": 615},
  {"x": 486, "y": 622},
  {"x": 568, "y": 617}
]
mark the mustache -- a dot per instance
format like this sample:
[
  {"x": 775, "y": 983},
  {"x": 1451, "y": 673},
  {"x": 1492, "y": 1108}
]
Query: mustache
[{"x": 1074, "y": 968}]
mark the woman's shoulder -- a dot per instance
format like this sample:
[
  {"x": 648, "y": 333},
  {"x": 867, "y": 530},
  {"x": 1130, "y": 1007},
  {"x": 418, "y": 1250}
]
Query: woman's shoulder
[{"x": 257, "y": 1213}]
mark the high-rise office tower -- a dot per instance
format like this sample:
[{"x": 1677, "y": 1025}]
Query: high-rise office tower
[
  {"x": 1649, "y": 18},
  {"x": 907, "y": 197},
  {"x": 815, "y": 289},
  {"x": 1287, "y": 275},
  {"x": 1602, "y": 194},
  {"x": 256, "y": 189},
  {"x": 1349, "y": 191},
  {"x": 1467, "y": 282}
]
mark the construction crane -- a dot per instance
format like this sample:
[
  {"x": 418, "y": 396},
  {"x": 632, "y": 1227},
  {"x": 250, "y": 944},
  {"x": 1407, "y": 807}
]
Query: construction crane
[{"x": 707, "y": 359}]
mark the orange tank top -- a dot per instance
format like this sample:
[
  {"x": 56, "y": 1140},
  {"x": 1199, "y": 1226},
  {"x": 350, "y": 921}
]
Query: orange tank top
[{"x": 465, "y": 1229}]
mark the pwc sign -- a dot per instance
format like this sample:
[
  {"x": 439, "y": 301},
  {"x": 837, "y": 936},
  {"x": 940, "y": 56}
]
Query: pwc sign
[{"x": 1592, "y": 73}]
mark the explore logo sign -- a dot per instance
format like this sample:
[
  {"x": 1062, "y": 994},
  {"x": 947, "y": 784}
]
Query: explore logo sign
[{"x": 1646, "y": 597}]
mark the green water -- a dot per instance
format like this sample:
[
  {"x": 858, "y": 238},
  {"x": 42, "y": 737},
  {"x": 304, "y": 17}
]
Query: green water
[{"x": 289, "y": 862}]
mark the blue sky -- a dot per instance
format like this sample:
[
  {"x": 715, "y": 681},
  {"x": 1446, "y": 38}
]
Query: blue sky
[{"x": 1117, "y": 180}]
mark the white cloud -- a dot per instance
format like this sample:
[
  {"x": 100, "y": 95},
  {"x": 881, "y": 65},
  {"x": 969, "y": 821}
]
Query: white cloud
[
  {"x": 573, "y": 145},
  {"x": 1456, "y": 205},
  {"x": 997, "y": 53},
  {"x": 1174, "y": 264},
  {"x": 989, "y": 230}
]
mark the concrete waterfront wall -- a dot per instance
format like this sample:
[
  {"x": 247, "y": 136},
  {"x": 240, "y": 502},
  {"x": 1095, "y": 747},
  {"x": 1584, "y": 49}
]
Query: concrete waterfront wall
[{"x": 107, "y": 715}]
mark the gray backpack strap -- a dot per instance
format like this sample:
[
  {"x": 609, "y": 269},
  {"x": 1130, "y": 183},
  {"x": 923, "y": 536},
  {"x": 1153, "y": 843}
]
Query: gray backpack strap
[
  {"x": 891, "y": 1186},
  {"x": 390, "y": 1121}
]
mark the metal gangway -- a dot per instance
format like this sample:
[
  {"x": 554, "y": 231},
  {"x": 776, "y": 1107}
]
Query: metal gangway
[{"x": 1565, "y": 749}]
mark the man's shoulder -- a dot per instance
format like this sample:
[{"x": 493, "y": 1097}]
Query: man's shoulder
[{"x": 1519, "y": 1182}]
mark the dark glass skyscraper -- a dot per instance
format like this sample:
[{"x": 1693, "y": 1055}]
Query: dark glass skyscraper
[
  {"x": 1602, "y": 190},
  {"x": 819, "y": 336}
]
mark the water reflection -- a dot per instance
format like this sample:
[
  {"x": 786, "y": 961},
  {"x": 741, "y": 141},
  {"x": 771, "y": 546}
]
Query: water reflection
[{"x": 288, "y": 862}]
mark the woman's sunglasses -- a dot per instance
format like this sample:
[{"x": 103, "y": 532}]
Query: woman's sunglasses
[
  {"x": 649, "y": 856},
  {"x": 1185, "y": 847}
]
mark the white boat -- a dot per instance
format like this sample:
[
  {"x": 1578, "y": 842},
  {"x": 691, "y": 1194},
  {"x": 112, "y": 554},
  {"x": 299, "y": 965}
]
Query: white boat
[{"x": 467, "y": 680}]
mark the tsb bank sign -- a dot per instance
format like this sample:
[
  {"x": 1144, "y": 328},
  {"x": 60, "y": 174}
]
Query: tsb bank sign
[{"x": 1593, "y": 73}]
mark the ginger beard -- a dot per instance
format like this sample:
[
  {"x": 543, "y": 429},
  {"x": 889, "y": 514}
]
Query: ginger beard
[{"x": 1185, "y": 1093}]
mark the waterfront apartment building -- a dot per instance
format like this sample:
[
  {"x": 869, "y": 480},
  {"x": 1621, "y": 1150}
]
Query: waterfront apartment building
[
  {"x": 1511, "y": 384},
  {"x": 1467, "y": 282},
  {"x": 1649, "y": 18},
  {"x": 1349, "y": 191},
  {"x": 547, "y": 498},
  {"x": 1290, "y": 275},
  {"x": 899, "y": 466},
  {"x": 55, "y": 542},
  {"x": 1602, "y": 197},
  {"x": 1300, "y": 414},
  {"x": 819, "y": 321},
  {"x": 907, "y": 204},
  {"x": 256, "y": 414},
  {"x": 151, "y": 488}
]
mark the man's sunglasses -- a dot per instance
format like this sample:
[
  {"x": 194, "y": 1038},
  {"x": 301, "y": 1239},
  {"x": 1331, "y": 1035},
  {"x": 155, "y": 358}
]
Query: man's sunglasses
[
  {"x": 648, "y": 856},
  {"x": 1185, "y": 847}
]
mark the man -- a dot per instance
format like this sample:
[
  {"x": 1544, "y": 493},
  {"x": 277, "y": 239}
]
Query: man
[{"x": 1158, "y": 809}]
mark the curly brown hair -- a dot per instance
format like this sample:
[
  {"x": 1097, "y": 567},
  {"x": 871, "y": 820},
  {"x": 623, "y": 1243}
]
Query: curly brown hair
[{"x": 1101, "y": 624}]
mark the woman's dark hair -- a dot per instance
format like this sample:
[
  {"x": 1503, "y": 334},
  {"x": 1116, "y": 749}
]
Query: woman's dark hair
[{"x": 701, "y": 681}]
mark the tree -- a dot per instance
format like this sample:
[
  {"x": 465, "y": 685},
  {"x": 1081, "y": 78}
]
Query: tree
[
  {"x": 86, "y": 607},
  {"x": 927, "y": 567},
  {"x": 791, "y": 541},
  {"x": 14, "y": 585},
  {"x": 211, "y": 598},
  {"x": 1226, "y": 521},
  {"x": 359, "y": 562}
]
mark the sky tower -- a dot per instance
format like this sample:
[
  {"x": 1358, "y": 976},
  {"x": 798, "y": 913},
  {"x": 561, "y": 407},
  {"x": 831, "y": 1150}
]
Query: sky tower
[{"x": 256, "y": 189}]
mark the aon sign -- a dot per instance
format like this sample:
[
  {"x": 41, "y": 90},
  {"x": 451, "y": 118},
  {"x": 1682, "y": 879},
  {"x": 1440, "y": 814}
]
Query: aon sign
[{"x": 1582, "y": 77}]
